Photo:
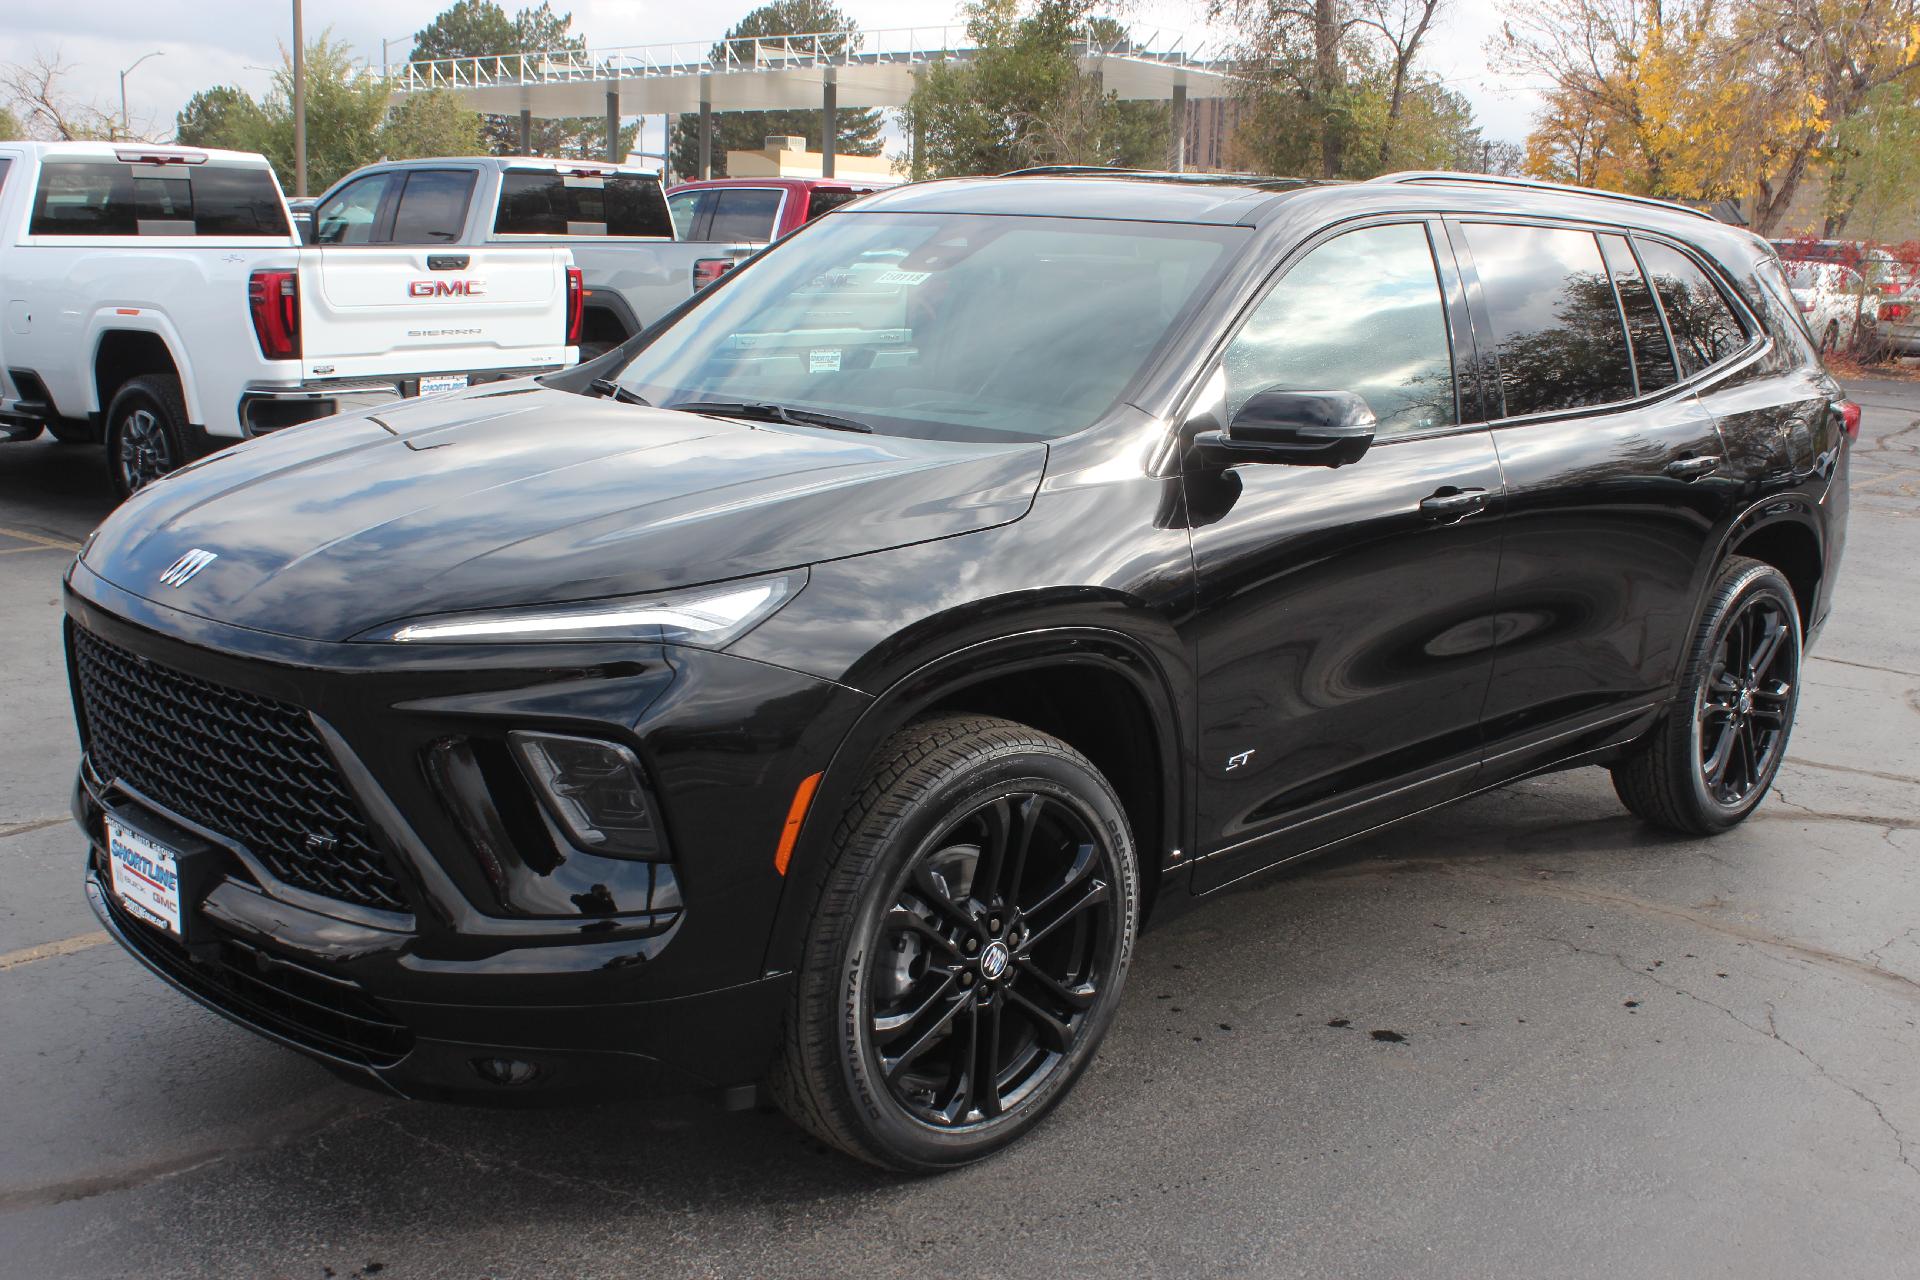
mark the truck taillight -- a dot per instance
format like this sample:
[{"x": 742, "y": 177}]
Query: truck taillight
[
  {"x": 576, "y": 305},
  {"x": 707, "y": 270},
  {"x": 274, "y": 297},
  {"x": 1895, "y": 311}
]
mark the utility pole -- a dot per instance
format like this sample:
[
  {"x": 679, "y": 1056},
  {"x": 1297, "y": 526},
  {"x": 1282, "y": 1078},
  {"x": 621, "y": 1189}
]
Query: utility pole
[
  {"x": 299, "y": 105},
  {"x": 126, "y": 128}
]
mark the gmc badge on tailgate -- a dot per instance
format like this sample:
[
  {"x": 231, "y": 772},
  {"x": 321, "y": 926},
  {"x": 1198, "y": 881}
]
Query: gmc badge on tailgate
[{"x": 446, "y": 288}]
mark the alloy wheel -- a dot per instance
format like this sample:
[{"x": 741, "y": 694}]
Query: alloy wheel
[
  {"x": 989, "y": 962},
  {"x": 1746, "y": 704},
  {"x": 145, "y": 452}
]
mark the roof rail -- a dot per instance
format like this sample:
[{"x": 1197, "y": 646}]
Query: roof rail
[
  {"x": 1535, "y": 184},
  {"x": 1158, "y": 175}
]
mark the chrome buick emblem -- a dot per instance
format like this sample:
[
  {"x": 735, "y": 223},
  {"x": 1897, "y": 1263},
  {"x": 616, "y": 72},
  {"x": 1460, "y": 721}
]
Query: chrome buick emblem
[
  {"x": 186, "y": 566},
  {"x": 994, "y": 961}
]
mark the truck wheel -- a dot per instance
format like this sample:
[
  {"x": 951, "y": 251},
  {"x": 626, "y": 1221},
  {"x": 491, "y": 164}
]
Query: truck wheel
[
  {"x": 1709, "y": 764},
  {"x": 968, "y": 946},
  {"x": 145, "y": 439}
]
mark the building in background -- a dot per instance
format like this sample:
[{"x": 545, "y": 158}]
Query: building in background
[{"x": 788, "y": 157}]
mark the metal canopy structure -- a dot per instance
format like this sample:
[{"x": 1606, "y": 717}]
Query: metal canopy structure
[{"x": 825, "y": 70}]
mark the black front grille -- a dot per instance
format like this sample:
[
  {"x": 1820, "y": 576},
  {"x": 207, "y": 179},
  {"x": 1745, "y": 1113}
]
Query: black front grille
[
  {"x": 324, "y": 1014},
  {"x": 250, "y": 768}
]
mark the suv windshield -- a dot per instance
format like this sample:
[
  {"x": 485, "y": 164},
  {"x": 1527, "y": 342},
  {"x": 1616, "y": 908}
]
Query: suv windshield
[{"x": 949, "y": 326}]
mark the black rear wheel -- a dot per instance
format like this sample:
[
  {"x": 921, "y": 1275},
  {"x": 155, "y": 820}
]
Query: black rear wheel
[
  {"x": 969, "y": 947},
  {"x": 1711, "y": 762},
  {"x": 146, "y": 425}
]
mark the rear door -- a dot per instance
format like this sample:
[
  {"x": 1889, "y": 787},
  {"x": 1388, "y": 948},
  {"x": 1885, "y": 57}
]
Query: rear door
[
  {"x": 1345, "y": 619},
  {"x": 1616, "y": 483}
]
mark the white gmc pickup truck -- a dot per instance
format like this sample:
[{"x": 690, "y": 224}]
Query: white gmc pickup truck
[{"x": 158, "y": 300}]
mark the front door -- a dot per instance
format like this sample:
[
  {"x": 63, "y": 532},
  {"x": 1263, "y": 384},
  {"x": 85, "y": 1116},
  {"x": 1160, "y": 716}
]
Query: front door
[{"x": 1345, "y": 616}]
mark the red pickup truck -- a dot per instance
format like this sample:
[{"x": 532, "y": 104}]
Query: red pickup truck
[{"x": 756, "y": 210}]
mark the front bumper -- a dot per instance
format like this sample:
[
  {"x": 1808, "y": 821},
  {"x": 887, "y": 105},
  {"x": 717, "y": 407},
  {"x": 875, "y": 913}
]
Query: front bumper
[{"x": 629, "y": 978}]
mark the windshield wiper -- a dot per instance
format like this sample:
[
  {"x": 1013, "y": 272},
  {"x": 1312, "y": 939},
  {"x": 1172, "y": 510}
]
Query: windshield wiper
[
  {"x": 612, "y": 390},
  {"x": 766, "y": 411}
]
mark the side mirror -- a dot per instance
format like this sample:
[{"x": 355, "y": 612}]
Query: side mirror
[{"x": 1303, "y": 428}]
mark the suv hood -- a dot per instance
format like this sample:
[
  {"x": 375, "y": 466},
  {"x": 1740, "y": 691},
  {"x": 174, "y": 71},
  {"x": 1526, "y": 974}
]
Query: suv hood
[{"x": 529, "y": 495}]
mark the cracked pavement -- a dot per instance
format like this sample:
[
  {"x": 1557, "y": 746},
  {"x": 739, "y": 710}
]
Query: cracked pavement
[{"x": 1524, "y": 1036}]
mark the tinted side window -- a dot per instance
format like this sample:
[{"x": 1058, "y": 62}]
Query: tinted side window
[
  {"x": 237, "y": 201},
  {"x": 6, "y": 163},
  {"x": 349, "y": 216},
  {"x": 1705, "y": 329},
  {"x": 433, "y": 208},
  {"x": 820, "y": 202},
  {"x": 550, "y": 203},
  {"x": 1556, "y": 326},
  {"x": 1652, "y": 355},
  {"x": 1361, "y": 313},
  {"x": 80, "y": 198},
  {"x": 744, "y": 214},
  {"x": 685, "y": 207}
]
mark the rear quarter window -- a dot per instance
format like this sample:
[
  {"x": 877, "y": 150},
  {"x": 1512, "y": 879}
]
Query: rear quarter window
[
  {"x": 551, "y": 203},
  {"x": 1705, "y": 328}
]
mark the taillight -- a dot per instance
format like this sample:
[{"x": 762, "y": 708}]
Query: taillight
[
  {"x": 707, "y": 270},
  {"x": 274, "y": 297},
  {"x": 1895, "y": 311},
  {"x": 1804, "y": 305},
  {"x": 1849, "y": 417},
  {"x": 576, "y": 305}
]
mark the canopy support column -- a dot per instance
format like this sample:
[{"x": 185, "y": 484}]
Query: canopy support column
[
  {"x": 829, "y": 123},
  {"x": 526, "y": 132},
  {"x": 706, "y": 128},
  {"x": 1179, "y": 148},
  {"x": 613, "y": 125}
]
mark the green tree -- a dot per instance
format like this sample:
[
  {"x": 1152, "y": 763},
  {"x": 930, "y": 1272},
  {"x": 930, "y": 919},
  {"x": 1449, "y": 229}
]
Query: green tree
[
  {"x": 1022, "y": 98},
  {"x": 858, "y": 132},
  {"x": 222, "y": 116},
  {"x": 430, "y": 124},
  {"x": 10, "y": 129},
  {"x": 482, "y": 29},
  {"x": 345, "y": 114}
]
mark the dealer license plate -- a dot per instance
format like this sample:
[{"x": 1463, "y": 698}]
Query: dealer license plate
[
  {"x": 146, "y": 876},
  {"x": 447, "y": 382}
]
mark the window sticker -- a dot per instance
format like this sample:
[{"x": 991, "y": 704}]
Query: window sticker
[
  {"x": 827, "y": 361},
  {"x": 903, "y": 277}
]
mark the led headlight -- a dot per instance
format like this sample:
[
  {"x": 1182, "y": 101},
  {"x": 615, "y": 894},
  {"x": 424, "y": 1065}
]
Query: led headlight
[{"x": 707, "y": 617}]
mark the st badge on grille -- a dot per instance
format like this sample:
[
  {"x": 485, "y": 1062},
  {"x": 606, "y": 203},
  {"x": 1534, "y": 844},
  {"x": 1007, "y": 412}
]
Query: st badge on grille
[{"x": 186, "y": 566}]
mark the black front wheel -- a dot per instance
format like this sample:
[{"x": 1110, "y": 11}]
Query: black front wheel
[
  {"x": 1711, "y": 762},
  {"x": 968, "y": 950}
]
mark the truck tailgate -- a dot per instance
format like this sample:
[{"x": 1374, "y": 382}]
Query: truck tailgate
[{"x": 379, "y": 309}]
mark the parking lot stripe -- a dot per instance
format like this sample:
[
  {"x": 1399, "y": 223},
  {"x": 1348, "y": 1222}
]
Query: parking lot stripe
[
  {"x": 21, "y": 828},
  {"x": 48, "y": 950},
  {"x": 57, "y": 544}
]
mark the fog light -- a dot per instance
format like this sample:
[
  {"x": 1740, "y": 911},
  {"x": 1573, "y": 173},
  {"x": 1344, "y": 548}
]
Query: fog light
[
  {"x": 506, "y": 1071},
  {"x": 594, "y": 791}
]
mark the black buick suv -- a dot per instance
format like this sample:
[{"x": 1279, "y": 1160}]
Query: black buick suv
[{"x": 822, "y": 688}]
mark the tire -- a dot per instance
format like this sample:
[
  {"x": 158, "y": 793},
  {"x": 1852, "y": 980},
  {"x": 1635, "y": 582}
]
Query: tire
[
  {"x": 146, "y": 435},
  {"x": 1830, "y": 340},
  {"x": 1710, "y": 762},
  {"x": 908, "y": 953}
]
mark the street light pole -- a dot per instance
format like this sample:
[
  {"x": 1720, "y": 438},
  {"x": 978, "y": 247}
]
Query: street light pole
[
  {"x": 126, "y": 128},
  {"x": 299, "y": 105}
]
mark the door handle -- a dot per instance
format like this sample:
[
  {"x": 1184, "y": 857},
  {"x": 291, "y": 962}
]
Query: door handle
[
  {"x": 1450, "y": 503},
  {"x": 1694, "y": 468}
]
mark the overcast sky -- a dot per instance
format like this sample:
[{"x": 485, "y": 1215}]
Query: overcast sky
[{"x": 206, "y": 42}]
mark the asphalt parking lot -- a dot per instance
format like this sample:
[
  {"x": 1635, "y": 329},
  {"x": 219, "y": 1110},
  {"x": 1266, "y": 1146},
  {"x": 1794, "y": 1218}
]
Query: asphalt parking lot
[{"x": 1524, "y": 1037}]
